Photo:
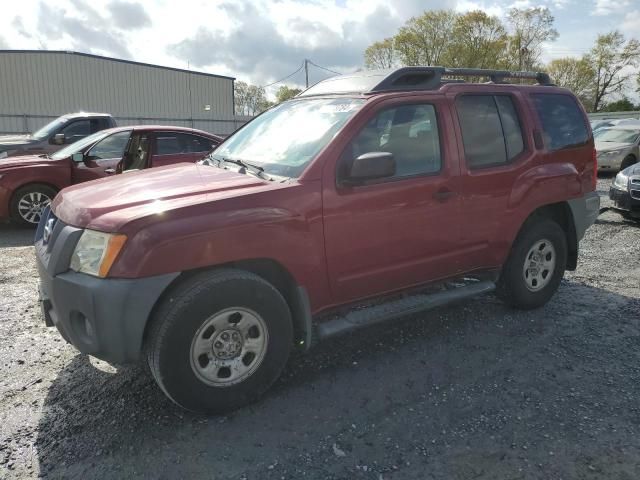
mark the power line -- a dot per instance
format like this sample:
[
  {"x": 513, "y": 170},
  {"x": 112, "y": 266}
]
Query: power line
[
  {"x": 285, "y": 78},
  {"x": 324, "y": 68}
]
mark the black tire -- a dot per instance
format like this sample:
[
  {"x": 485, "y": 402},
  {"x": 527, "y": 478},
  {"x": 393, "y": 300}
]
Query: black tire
[
  {"x": 627, "y": 162},
  {"x": 512, "y": 286},
  {"x": 35, "y": 190},
  {"x": 177, "y": 321}
]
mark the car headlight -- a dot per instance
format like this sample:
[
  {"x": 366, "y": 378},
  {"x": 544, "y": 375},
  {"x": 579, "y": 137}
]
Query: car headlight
[
  {"x": 96, "y": 251},
  {"x": 612, "y": 153},
  {"x": 621, "y": 182}
]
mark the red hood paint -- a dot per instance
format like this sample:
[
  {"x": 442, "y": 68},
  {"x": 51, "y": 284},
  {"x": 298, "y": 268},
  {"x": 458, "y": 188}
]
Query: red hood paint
[
  {"x": 25, "y": 161},
  {"x": 107, "y": 204}
]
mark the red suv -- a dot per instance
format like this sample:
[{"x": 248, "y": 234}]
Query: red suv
[
  {"x": 358, "y": 201},
  {"x": 29, "y": 183}
]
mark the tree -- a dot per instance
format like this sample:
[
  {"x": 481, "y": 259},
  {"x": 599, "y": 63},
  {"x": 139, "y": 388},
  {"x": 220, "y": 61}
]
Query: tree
[
  {"x": 530, "y": 28},
  {"x": 249, "y": 99},
  {"x": 478, "y": 41},
  {"x": 424, "y": 40},
  {"x": 576, "y": 75},
  {"x": 285, "y": 93},
  {"x": 622, "y": 105},
  {"x": 610, "y": 59},
  {"x": 380, "y": 54}
]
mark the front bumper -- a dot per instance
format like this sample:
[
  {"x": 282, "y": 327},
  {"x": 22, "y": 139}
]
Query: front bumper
[
  {"x": 103, "y": 317},
  {"x": 627, "y": 201},
  {"x": 609, "y": 163}
]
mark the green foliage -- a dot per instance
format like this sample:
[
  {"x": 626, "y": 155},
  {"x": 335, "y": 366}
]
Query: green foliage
[
  {"x": 577, "y": 75},
  {"x": 611, "y": 58},
  {"x": 249, "y": 99},
  {"x": 622, "y": 105},
  {"x": 285, "y": 93},
  {"x": 380, "y": 54},
  {"x": 478, "y": 41},
  {"x": 424, "y": 40},
  {"x": 530, "y": 28}
]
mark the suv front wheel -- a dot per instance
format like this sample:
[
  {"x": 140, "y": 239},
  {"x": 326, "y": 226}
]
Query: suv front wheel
[
  {"x": 219, "y": 340},
  {"x": 535, "y": 266}
]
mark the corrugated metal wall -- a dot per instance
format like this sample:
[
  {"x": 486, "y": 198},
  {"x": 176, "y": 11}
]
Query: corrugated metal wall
[{"x": 40, "y": 84}]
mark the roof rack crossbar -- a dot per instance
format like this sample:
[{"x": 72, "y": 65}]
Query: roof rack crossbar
[{"x": 430, "y": 78}]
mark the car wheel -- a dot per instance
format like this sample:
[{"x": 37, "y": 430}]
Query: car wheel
[
  {"x": 535, "y": 265},
  {"x": 28, "y": 203},
  {"x": 219, "y": 340},
  {"x": 627, "y": 162}
]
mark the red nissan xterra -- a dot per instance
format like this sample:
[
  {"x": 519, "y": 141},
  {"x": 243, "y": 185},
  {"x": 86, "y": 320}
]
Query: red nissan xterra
[{"x": 390, "y": 191}]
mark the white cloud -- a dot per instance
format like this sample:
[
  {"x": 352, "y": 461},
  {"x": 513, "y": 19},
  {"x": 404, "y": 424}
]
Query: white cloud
[
  {"x": 610, "y": 7},
  {"x": 631, "y": 24},
  {"x": 491, "y": 9}
]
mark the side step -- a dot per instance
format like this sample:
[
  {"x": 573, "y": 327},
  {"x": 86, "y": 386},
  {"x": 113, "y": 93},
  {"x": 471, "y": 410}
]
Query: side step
[{"x": 399, "y": 308}]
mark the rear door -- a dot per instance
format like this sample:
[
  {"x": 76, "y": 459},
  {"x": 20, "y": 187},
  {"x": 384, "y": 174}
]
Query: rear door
[
  {"x": 496, "y": 151},
  {"x": 399, "y": 231},
  {"x": 176, "y": 147},
  {"x": 102, "y": 159}
]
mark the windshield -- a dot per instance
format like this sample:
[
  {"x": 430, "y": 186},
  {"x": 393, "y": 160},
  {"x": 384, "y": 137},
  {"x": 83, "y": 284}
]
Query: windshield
[
  {"x": 49, "y": 128},
  {"x": 79, "y": 145},
  {"x": 286, "y": 138},
  {"x": 617, "y": 135}
]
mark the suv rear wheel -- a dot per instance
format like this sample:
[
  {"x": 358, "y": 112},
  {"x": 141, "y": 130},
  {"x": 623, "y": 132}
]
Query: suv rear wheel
[
  {"x": 219, "y": 340},
  {"x": 535, "y": 266}
]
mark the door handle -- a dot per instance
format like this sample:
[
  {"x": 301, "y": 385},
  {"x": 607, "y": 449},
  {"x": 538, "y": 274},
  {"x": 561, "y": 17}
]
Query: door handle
[
  {"x": 443, "y": 194},
  {"x": 109, "y": 170}
]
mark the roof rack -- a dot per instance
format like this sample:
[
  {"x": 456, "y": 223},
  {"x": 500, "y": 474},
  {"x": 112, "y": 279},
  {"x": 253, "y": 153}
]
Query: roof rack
[{"x": 415, "y": 78}]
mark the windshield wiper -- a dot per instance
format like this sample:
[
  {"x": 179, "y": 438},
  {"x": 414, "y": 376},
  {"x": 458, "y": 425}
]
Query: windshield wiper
[{"x": 244, "y": 166}]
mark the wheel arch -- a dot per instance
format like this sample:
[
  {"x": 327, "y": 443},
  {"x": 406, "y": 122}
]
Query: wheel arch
[
  {"x": 271, "y": 271},
  {"x": 561, "y": 213}
]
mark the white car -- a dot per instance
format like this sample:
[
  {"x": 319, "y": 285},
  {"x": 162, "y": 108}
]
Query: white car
[{"x": 617, "y": 147}]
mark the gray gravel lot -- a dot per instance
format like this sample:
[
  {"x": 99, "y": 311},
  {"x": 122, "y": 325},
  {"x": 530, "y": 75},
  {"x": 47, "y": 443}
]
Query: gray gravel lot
[{"x": 472, "y": 391}]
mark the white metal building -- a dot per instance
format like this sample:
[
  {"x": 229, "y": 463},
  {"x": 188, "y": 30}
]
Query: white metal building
[{"x": 39, "y": 85}]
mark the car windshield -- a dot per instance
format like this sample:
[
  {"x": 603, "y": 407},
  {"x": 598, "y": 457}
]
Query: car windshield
[
  {"x": 286, "y": 138},
  {"x": 79, "y": 145},
  {"x": 49, "y": 128},
  {"x": 617, "y": 135}
]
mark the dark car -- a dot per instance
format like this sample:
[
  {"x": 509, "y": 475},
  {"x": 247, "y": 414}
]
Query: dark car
[
  {"x": 366, "y": 198},
  {"x": 29, "y": 183},
  {"x": 64, "y": 130},
  {"x": 625, "y": 192}
]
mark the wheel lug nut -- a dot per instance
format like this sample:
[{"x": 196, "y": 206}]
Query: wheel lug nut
[
  {"x": 218, "y": 344},
  {"x": 225, "y": 336}
]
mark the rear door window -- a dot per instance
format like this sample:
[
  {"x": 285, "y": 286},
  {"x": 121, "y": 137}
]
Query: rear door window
[
  {"x": 491, "y": 129},
  {"x": 563, "y": 125},
  {"x": 174, "y": 143}
]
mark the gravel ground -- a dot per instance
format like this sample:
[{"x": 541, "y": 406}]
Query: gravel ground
[{"x": 473, "y": 391}]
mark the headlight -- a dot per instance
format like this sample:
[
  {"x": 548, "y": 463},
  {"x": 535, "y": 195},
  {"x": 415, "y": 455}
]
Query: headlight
[
  {"x": 621, "y": 182},
  {"x": 612, "y": 152},
  {"x": 96, "y": 251}
]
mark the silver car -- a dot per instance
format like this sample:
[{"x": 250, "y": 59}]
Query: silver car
[{"x": 617, "y": 147}]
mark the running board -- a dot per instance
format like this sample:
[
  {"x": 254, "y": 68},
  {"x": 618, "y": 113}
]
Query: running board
[{"x": 400, "y": 308}]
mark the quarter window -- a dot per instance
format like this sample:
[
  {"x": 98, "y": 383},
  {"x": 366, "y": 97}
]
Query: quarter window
[
  {"x": 409, "y": 132},
  {"x": 563, "y": 124},
  {"x": 491, "y": 129}
]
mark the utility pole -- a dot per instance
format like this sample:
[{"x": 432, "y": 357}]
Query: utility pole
[{"x": 306, "y": 72}]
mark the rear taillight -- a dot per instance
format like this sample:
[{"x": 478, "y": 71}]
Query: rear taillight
[{"x": 594, "y": 177}]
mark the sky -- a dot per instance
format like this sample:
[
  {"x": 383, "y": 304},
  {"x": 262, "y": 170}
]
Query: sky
[{"x": 263, "y": 41}]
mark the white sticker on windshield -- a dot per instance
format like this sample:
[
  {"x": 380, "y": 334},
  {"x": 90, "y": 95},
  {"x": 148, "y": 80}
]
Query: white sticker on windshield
[{"x": 338, "y": 107}]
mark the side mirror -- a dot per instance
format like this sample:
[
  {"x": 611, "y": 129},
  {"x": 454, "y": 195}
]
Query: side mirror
[
  {"x": 77, "y": 157},
  {"x": 371, "y": 166},
  {"x": 58, "y": 139}
]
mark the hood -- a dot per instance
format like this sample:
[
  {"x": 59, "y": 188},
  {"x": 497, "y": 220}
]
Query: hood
[
  {"x": 7, "y": 141},
  {"x": 632, "y": 171},
  {"x": 608, "y": 146},
  {"x": 109, "y": 203},
  {"x": 24, "y": 161}
]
